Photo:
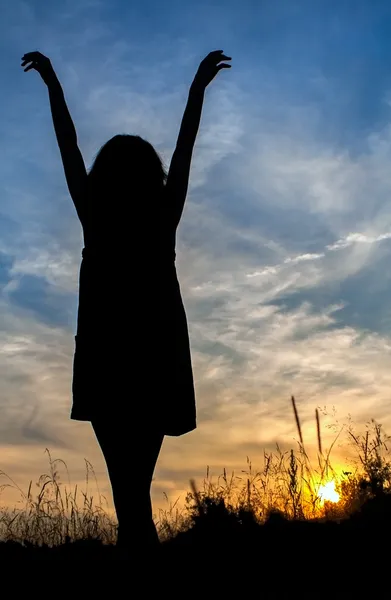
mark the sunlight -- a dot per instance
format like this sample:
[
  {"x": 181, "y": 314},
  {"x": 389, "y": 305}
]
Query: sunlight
[{"x": 328, "y": 493}]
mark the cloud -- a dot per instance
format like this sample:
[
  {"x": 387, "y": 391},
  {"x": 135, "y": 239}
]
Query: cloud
[
  {"x": 283, "y": 251},
  {"x": 357, "y": 238},
  {"x": 36, "y": 295},
  {"x": 304, "y": 257}
]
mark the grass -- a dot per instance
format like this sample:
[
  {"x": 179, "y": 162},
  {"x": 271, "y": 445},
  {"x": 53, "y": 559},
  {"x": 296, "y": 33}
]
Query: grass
[
  {"x": 56, "y": 513},
  {"x": 280, "y": 503}
]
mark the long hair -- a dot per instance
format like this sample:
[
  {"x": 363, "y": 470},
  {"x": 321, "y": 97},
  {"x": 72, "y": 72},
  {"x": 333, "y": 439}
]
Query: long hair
[{"x": 126, "y": 165}]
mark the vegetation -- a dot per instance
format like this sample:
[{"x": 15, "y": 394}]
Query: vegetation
[{"x": 287, "y": 489}]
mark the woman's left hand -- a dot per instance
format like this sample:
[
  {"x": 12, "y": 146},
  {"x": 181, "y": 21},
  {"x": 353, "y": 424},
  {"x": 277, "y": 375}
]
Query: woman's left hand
[{"x": 210, "y": 66}]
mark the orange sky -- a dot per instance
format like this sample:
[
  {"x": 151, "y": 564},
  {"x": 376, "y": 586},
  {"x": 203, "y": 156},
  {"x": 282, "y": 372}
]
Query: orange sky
[{"x": 284, "y": 247}]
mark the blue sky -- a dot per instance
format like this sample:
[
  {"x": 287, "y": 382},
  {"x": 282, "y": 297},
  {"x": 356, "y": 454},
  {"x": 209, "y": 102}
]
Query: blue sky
[{"x": 285, "y": 243}]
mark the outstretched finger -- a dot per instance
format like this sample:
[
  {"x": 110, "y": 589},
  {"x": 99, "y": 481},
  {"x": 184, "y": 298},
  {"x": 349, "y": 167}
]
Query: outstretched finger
[
  {"x": 31, "y": 55},
  {"x": 223, "y": 66},
  {"x": 32, "y": 66},
  {"x": 223, "y": 57},
  {"x": 214, "y": 55}
]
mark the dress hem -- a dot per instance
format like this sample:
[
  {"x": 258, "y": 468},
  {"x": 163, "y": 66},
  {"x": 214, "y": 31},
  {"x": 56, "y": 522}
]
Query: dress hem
[{"x": 169, "y": 432}]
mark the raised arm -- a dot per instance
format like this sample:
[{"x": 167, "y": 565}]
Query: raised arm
[
  {"x": 74, "y": 168},
  {"x": 178, "y": 175}
]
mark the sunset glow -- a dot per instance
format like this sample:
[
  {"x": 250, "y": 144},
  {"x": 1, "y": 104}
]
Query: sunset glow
[
  {"x": 283, "y": 249},
  {"x": 328, "y": 493}
]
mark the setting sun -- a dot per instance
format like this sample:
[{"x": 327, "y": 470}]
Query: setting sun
[{"x": 328, "y": 493}]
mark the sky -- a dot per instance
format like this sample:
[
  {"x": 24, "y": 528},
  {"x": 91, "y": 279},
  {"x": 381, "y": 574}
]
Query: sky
[{"x": 285, "y": 243}]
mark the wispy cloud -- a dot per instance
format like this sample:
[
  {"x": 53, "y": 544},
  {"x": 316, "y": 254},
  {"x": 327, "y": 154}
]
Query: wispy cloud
[{"x": 284, "y": 245}]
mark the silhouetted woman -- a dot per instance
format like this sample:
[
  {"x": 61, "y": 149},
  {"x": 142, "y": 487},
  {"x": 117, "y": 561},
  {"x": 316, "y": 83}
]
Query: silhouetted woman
[{"x": 132, "y": 373}]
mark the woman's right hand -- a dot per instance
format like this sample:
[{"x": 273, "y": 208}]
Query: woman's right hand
[{"x": 41, "y": 63}]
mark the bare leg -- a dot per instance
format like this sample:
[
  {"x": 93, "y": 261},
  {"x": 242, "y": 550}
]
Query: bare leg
[{"x": 130, "y": 465}]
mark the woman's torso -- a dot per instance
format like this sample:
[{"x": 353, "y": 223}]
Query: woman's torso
[{"x": 127, "y": 279}]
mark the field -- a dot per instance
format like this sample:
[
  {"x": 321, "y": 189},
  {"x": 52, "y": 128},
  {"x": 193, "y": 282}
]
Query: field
[{"x": 290, "y": 515}]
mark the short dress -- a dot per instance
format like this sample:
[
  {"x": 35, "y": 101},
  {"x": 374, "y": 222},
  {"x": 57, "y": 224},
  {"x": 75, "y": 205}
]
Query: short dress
[{"x": 132, "y": 355}]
